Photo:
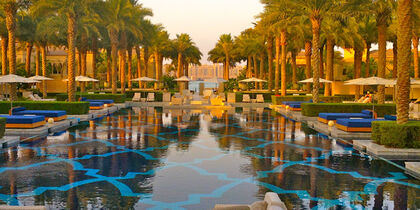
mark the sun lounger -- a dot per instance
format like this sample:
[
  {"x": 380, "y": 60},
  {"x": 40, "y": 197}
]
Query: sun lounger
[
  {"x": 217, "y": 101},
  {"x": 207, "y": 94},
  {"x": 57, "y": 115},
  {"x": 150, "y": 97},
  {"x": 41, "y": 99},
  {"x": 196, "y": 100},
  {"x": 166, "y": 97},
  {"x": 96, "y": 105},
  {"x": 326, "y": 117},
  {"x": 231, "y": 98},
  {"x": 356, "y": 125},
  {"x": 260, "y": 98},
  {"x": 136, "y": 97},
  {"x": 105, "y": 101},
  {"x": 176, "y": 100},
  {"x": 246, "y": 98},
  {"x": 18, "y": 121}
]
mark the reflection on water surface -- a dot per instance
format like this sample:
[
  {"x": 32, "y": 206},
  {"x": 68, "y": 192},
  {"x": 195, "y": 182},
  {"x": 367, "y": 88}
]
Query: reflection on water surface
[{"x": 149, "y": 158}]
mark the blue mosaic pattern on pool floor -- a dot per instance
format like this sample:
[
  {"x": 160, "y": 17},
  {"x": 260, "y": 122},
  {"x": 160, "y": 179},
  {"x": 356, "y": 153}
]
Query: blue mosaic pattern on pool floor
[{"x": 174, "y": 136}]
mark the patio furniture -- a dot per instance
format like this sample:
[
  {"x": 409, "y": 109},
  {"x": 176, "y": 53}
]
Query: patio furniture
[
  {"x": 260, "y": 98},
  {"x": 222, "y": 96},
  {"x": 41, "y": 99},
  {"x": 56, "y": 115},
  {"x": 23, "y": 122},
  {"x": 231, "y": 98},
  {"x": 246, "y": 98},
  {"x": 207, "y": 94},
  {"x": 136, "y": 97},
  {"x": 196, "y": 99},
  {"x": 177, "y": 100},
  {"x": 166, "y": 97},
  {"x": 356, "y": 125},
  {"x": 96, "y": 105},
  {"x": 150, "y": 97},
  {"x": 108, "y": 102},
  {"x": 326, "y": 117}
]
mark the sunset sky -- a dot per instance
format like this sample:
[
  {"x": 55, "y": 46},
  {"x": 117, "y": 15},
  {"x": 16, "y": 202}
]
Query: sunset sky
[{"x": 204, "y": 20}]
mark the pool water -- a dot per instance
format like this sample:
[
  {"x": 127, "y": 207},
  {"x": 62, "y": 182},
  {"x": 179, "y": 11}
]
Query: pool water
[{"x": 180, "y": 159}]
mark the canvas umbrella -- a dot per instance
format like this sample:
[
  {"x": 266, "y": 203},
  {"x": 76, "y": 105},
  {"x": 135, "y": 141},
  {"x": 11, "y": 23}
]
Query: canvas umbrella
[
  {"x": 83, "y": 79},
  {"x": 44, "y": 86},
  {"x": 15, "y": 79},
  {"x": 144, "y": 79},
  {"x": 311, "y": 80},
  {"x": 252, "y": 79}
]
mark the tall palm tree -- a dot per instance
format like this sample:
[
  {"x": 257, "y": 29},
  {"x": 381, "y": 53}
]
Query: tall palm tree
[
  {"x": 71, "y": 10},
  {"x": 160, "y": 46},
  {"x": 415, "y": 38},
  {"x": 316, "y": 11},
  {"x": 368, "y": 30},
  {"x": 226, "y": 44},
  {"x": 4, "y": 41},
  {"x": 404, "y": 35},
  {"x": 180, "y": 45}
]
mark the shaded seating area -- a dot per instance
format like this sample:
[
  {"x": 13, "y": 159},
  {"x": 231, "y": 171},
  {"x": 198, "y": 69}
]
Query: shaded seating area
[
  {"x": 23, "y": 121},
  {"x": 356, "y": 125},
  {"x": 326, "y": 117},
  {"x": 56, "y": 115}
]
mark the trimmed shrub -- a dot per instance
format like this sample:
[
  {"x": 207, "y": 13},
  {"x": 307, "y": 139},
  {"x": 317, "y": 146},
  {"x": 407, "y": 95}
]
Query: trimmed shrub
[
  {"x": 391, "y": 134},
  {"x": 313, "y": 110},
  {"x": 118, "y": 98},
  {"x": 2, "y": 126},
  {"x": 277, "y": 100},
  {"x": 72, "y": 108}
]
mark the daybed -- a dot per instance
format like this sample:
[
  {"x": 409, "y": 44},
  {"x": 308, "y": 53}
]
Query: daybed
[
  {"x": 57, "y": 115},
  {"x": 19, "y": 122}
]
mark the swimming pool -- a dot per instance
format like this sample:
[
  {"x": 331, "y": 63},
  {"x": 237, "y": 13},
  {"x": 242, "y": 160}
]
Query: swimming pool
[{"x": 179, "y": 159}]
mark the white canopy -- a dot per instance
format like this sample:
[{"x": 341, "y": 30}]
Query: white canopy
[
  {"x": 215, "y": 80},
  {"x": 12, "y": 78},
  {"x": 182, "y": 79},
  {"x": 40, "y": 78},
  {"x": 311, "y": 80},
  {"x": 412, "y": 81},
  {"x": 370, "y": 81},
  {"x": 144, "y": 79},
  {"x": 252, "y": 79},
  {"x": 83, "y": 79}
]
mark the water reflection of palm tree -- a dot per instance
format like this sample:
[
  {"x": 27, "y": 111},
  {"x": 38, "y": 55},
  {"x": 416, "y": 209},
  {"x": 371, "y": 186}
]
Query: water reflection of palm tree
[
  {"x": 12, "y": 176},
  {"x": 400, "y": 197},
  {"x": 72, "y": 198}
]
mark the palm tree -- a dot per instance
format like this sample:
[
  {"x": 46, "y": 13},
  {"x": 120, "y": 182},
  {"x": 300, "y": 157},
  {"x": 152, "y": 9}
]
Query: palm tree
[
  {"x": 368, "y": 30},
  {"x": 160, "y": 46},
  {"x": 226, "y": 44},
  {"x": 3, "y": 40},
  {"x": 71, "y": 10},
  {"x": 316, "y": 11},
  {"x": 415, "y": 38},
  {"x": 180, "y": 45},
  {"x": 404, "y": 35}
]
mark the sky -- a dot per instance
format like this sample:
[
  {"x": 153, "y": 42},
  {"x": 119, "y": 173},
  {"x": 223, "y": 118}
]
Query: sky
[{"x": 204, "y": 20}]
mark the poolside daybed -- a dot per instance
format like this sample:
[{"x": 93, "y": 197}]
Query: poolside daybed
[
  {"x": 25, "y": 121},
  {"x": 326, "y": 117},
  {"x": 109, "y": 103},
  {"x": 57, "y": 115},
  {"x": 356, "y": 125}
]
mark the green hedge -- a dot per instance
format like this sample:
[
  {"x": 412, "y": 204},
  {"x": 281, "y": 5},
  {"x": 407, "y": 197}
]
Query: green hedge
[
  {"x": 72, "y": 108},
  {"x": 313, "y": 110},
  {"x": 277, "y": 100},
  {"x": 2, "y": 126},
  {"x": 118, "y": 98},
  {"x": 390, "y": 134}
]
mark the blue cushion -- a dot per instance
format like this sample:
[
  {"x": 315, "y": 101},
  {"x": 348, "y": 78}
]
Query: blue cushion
[
  {"x": 45, "y": 113},
  {"x": 293, "y": 102},
  {"x": 296, "y": 106},
  {"x": 15, "y": 119},
  {"x": 357, "y": 123},
  {"x": 367, "y": 112},
  {"x": 83, "y": 99},
  {"x": 96, "y": 104},
  {"x": 335, "y": 116},
  {"x": 103, "y": 101},
  {"x": 390, "y": 117},
  {"x": 18, "y": 109}
]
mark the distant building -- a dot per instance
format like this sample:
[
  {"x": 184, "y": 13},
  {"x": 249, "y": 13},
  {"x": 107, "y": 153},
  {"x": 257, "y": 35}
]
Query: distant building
[{"x": 211, "y": 71}]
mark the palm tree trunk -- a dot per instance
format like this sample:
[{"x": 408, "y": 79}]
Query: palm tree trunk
[
  {"x": 113, "y": 35},
  {"x": 44, "y": 70},
  {"x": 416, "y": 56},
  {"x": 294, "y": 69},
  {"x": 146, "y": 62},
  {"x": 358, "y": 59},
  {"x": 316, "y": 24},
  {"x": 71, "y": 35},
  {"x": 94, "y": 57},
  {"x": 37, "y": 60},
  {"x": 404, "y": 52},
  {"x": 10, "y": 11},
  {"x": 226, "y": 74},
  {"x": 277, "y": 71},
  {"x": 138, "y": 54},
  {"x": 270, "y": 63},
  {"x": 123, "y": 60},
  {"x": 84, "y": 69},
  {"x": 255, "y": 69},
  {"x": 130, "y": 68},
  {"x": 79, "y": 62},
  {"x": 108, "y": 66},
  {"x": 308, "y": 66},
  {"x": 160, "y": 66},
  {"x": 179, "y": 73},
  {"x": 261, "y": 69},
  {"x": 157, "y": 76},
  {"x": 321, "y": 62},
  {"x": 382, "y": 27},
  {"x": 367, "y": 70},
  {"x": 283, "y": 62},
  {"x": 29, "y": 47},
  {"x": 330, "y": 66},
  {"x": 249, "y": 65},
  {"x": 395, "y": 60},
  {"x": 4, "y": 55}
]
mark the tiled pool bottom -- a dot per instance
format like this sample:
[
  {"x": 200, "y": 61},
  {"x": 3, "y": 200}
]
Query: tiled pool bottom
[{"x": 145, "y": 159}]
